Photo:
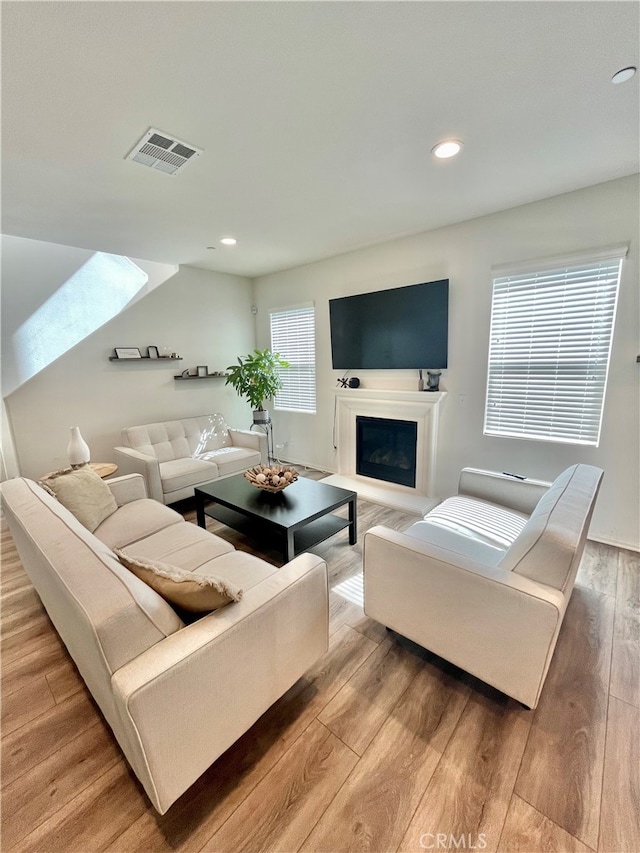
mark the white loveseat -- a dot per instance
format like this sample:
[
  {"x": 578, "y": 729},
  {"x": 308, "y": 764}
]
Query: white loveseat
[
  {"x": 485, "y": 578},
  {"x": 175, "y": 695},
  {"x": 176, "y": 456}
]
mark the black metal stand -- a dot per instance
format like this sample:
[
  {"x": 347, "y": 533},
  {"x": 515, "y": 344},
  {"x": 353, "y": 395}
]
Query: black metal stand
[{"x": 267, "y": 428}]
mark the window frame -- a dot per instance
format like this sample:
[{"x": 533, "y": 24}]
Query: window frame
[
  {"x": 300, "y": 375},
  {"x": 542, "y": 385}
]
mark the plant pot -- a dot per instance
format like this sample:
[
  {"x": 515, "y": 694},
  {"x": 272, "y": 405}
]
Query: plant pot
[{"x": 261, "y": 416}]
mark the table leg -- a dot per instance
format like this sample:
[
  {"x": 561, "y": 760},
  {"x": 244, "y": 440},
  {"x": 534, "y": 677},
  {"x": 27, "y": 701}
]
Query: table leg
[
  {"x": 289, "y": 552},
  {"x": 200, "y": 511},
  {"x": 353, "y": 522}
]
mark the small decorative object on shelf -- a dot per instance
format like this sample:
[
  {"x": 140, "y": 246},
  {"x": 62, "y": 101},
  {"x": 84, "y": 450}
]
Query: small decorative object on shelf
[
  {"x": 433, "y": 380},
  {"x": 77, "y": 449},
  {"x": 203, "y": 370},
  {"x": 127, "y": 352},
  {"x": 271, "y": 479},
  {"x": 152, "y": 352}
]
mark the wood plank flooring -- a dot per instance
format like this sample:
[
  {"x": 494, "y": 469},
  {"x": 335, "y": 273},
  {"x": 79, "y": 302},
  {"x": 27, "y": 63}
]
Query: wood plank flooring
[{"x": 381, "y": 747}]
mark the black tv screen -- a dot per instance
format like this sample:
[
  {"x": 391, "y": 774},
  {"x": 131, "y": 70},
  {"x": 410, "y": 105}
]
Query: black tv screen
[{"x": 405, "y": 327}]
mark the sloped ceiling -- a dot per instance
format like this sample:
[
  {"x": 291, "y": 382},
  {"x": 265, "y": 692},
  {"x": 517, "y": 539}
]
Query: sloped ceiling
[{"x": 316, "y": 119}]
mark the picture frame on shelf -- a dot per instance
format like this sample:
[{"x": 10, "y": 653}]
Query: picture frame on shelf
[
  {"x": 152, "y": 352},
  {"x": 127, "y": 352},
  {"x": 203, "y": 370}
]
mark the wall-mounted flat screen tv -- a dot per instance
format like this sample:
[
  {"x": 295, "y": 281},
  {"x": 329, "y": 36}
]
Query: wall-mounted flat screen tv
[{"x": 405, "y": 327}]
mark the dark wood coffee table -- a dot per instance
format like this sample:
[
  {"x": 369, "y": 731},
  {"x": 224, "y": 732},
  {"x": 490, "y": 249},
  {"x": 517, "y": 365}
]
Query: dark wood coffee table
[{"x": 299, "y": 515}]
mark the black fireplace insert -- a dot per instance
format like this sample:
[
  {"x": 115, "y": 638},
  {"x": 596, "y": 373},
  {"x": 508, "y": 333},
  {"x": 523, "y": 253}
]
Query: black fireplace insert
[{"x": 386, "y": 449}]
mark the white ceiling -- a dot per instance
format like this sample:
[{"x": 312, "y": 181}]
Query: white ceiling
[{"x": 316, "y": 119}]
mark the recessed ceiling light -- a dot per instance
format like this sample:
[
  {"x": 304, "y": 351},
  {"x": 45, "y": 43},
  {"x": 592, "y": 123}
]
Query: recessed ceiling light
[
  {"x": 448, "y": 148},
  {"x": 228, "y": 241},
  {"x": 624, "y": 74}
]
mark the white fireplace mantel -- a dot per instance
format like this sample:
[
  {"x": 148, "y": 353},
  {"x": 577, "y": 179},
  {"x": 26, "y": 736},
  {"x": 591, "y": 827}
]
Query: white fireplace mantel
[{"x": 422, "y": 407}]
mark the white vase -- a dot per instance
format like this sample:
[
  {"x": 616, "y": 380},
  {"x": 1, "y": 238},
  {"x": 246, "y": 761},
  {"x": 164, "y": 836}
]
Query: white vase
[{"x": 77, "y": 449}]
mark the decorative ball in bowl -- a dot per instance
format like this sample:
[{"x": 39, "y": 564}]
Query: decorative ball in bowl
[{"x": 273, "y": 478}]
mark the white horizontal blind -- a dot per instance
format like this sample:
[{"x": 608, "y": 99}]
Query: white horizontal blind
[
  {"x": 549, "y": 348},
  {"x": 293, "y": 335}
]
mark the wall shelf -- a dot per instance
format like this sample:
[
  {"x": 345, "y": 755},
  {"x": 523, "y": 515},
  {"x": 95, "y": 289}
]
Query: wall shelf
[
  {"x": 143, "y": 358},
  {"x": 180, "y": 377}
]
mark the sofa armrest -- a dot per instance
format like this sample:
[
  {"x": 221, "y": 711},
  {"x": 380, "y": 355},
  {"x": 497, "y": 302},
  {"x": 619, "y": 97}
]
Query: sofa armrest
[
  {"x": 253, "y": 440},
  {"x": 130, "y": 487},
  {"x": 132, "y": 461},
  {"x": 184, "y": 701},
  {"x": 479, "y": 617},
  {"x": 513, "y": 492}
]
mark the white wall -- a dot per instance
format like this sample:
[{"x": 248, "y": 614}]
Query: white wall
[
  {"x": 204, "y": 316},
  {"x": 593, "y": 217},
  {"x": 32, "y": 271}
]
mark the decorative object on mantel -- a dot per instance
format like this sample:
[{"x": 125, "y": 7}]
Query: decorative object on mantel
[
  {"x": 354, "y": 382},
  {"x": 420, "y": 381},
  {"x": 77, "y": 450},
  {"x": 273, "y": 479},
  {"x": 257, "y": 378},
  {"x": 433, "y": 380}
]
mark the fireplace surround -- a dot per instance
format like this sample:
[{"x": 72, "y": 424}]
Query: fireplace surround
[{"x": 419, "y": 407}]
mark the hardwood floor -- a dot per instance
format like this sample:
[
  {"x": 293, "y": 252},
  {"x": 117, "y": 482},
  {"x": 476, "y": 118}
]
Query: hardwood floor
[{"x": 381, "y": 747}]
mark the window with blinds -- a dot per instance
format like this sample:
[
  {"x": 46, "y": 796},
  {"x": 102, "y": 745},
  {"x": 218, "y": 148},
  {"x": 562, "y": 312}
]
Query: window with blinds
[
  {"x": 293, "y": 335},
  {"x": 549, "y": 347}
]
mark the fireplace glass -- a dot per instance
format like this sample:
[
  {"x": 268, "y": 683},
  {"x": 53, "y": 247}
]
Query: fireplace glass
[{"x": 386, "y": 449}]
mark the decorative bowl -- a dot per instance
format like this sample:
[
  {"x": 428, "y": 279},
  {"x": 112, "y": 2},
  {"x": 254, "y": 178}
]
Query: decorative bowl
[{"x": 272, "y": 478}]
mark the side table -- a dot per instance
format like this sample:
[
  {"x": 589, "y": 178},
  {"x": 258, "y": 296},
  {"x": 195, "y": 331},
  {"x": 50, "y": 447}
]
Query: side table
[{"x": 102, "y": 469}]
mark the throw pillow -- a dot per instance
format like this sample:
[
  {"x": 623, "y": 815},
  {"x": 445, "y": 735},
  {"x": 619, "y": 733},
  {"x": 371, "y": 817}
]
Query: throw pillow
[
  {"x": 191, "y": 592},
  {"x": 84, "y": 494}
]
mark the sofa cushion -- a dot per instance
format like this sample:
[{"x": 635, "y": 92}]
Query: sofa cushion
[
  {"x": 195, "y": 593},
  {"x": 136, "y": 520},
  {"x": 185, "y": 546},
  {"x": 232, "y": 460},
  {"x": 208, "y": 432},
  {"x": 180, "y": 473},
  {"x": 239, "y": 568},
  {"x": 473, "y": 520},
  {"x": 84, "y": 494},
  {"x": 465, "y": 546},
  {"x": 546, "y": 549}
]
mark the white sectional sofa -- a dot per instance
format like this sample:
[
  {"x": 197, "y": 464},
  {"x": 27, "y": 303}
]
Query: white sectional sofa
[
  {"x": 175, "y": 695},
  {"x": 176, "y": 456},
  {"x": 485, "y": 578}
]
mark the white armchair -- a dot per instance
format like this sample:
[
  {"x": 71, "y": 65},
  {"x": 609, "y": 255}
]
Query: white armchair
[{"x": 485, "y": 578}]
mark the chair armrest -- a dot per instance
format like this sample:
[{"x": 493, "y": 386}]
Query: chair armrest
[
  {"x": 479, "y": 617},
  {"x": 521, "y": 495},
  {"x": 184, "y": 701},
  {"x": 130, "y": 487},
  {"x": 248, "y": 438},
  {"x": 132, "y": 461}
]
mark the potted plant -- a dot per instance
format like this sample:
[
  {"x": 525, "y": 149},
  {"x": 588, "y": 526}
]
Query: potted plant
[{"x": 257, "y": 378}]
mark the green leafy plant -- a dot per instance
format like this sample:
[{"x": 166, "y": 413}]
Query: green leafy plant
[{"x": 257, "y": 376}]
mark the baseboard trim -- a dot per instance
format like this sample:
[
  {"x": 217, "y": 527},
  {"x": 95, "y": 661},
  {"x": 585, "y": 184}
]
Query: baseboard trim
[{"x": 615, "y": 543}]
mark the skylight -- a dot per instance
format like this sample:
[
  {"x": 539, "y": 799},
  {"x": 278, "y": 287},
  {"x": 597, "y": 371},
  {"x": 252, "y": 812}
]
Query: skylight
[{"x": 94, "y": 294}]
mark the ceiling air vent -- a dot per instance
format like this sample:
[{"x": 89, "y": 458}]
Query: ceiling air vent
[{"x": 165, "y": 153}]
